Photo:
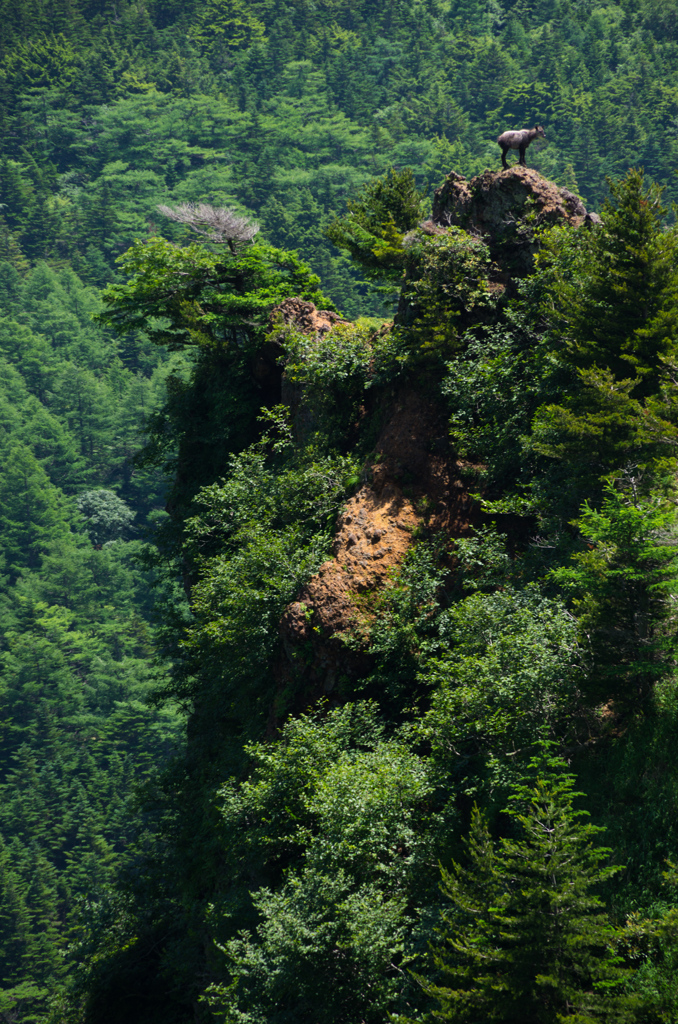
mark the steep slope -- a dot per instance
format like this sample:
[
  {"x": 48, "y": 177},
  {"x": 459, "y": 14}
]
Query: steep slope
[
  {"x": 506, "y": 210},
  {"x": 430, "y": 560}
]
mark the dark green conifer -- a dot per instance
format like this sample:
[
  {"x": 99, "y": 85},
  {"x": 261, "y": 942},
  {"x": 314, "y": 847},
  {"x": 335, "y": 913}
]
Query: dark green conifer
[
  {"x": 626, "y": 313},
  {"x": 624, "y": 584},
  {"x": 525, "y": 939}
]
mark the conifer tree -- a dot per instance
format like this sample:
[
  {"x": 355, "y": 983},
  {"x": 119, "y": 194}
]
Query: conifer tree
[
  {"x": 373, "y": 229},
  {"x": 624, "y": 584},
  {"x": 224, "y": 26},
  {"x": 626, "y": 313},
  {"x": 525, "y": 940}
]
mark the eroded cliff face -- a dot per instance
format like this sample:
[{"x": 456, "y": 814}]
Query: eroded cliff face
[
  {"x": 375, "y": 532},
  {"x": 412, "y": 477}
]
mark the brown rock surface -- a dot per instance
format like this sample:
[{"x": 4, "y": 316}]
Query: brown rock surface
[
  {"x": 506, "y": 207},
  {"x": 373, "y": 535},
  {"x": 374, "y": 532},
  {"x": 304, "y": 316},
  {"x": 412, "y": 448}
]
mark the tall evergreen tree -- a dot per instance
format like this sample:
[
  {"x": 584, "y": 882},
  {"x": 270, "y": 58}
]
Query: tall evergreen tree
[
  {"x": 624, "y": 313},
  {"x": 525, "y": 940},
  {"x": 624, "y": 584}
]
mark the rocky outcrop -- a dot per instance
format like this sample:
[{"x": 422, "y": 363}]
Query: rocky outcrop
[
  {"x": 373, "y": 535},
  {"x": 303, "y": 315},
  {"x": 411, "y": 478},
  {"x": 299, "y": 315},
  {"x": 506, "y": 208}
]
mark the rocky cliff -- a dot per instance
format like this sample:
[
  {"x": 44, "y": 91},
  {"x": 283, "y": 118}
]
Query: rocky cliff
[
  {"x": 507, "y": 209},
  {"x": 412, "y": 477}
]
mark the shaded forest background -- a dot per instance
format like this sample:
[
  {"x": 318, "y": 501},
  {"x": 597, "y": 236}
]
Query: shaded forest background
[
  {"x": 286, "y": 109},
  {"x": 283, "y": 111}
]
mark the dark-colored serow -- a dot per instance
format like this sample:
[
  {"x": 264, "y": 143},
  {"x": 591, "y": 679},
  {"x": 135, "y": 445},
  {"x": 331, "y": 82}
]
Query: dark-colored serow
[{"x": 519, "y": 139}]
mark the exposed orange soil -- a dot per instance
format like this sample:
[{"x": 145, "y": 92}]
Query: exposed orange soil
[
  {"x": 411, "y": 477},
  {"x": 374, "y": 532}
]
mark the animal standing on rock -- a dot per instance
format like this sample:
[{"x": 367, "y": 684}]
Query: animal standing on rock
[{"x": 519, "y": 139}]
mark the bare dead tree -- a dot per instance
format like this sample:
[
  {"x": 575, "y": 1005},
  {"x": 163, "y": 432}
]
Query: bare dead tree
[{"x": 217, "y": 223}]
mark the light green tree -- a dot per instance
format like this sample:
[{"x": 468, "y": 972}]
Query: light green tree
[
  {"x": 623, "y": 584},
  {"x": 107, "y": 516},
  {"x": 372, "y": 231}
]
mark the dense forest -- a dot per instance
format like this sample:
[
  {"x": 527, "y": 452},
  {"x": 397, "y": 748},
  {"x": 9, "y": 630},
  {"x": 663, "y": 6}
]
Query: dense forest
[
  {"x": 338, "y": 546},
  {"x": 285, "y": 110}
]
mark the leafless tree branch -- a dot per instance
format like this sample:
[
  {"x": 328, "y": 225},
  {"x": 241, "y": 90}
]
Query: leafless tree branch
[{"x": 218, "y": 223}]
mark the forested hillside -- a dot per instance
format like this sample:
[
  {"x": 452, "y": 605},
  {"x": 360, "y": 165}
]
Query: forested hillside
[
  {"x": 287, "y": 109},
  {"x": 430, "y": 661},
  {"x": 338, "y": 557},
  {"x": 77, "y": 637}
]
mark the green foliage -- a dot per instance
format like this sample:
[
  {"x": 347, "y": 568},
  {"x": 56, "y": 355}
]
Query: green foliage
[
  {"x": 289, "y": 111},
  {"x": 255, "y": 539},
  {"x": 107, "y": 515},
  {"x": 285, "y": 112},
  {"x": 445, "y": 290},
  {"x": 377, "y": 221},
  {"x": 601, "y": 430},
  {"x": 629, "y": 311},
  {"x": 508, "y": 672},
  {"x": 650, "y": 943},
  {"x": 640, "y": 819},
  {"x": 484, "y": 562},
  {"x": 33, "y": 512},
  {"x": 317, "y": 921},
  {"x": 405, "y": 626},
  {"x": 226, "y": 25},
  {"x": 76, "y": 643},
  {"x": 493, "y": 387},
  {"x": 218, "y": 304},
  {"x": 524, "y": 936},
  {"x": 333, "y": 371},
  {"x": 539, "y": 415},
  {"x": 191, "y": 296},
  {"x": 624, "y": 584},
  {"x": 339, "y": 803}
]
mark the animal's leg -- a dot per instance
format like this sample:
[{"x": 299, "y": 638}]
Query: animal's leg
[
  {"x": 504, "y": 151},
  {"x": 522, "y": 155}
]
